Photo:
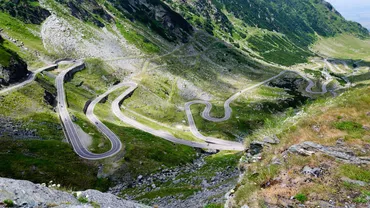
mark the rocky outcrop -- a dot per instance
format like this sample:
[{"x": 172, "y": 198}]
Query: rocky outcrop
[
  {"x": 12, "y": 67},
  {"x": 158, "y": 16},
  {"x": 212, "y": 14},
  {"x": 27, "y": 11},
  {"x": 15, "y": 71},
  {"x": 87, "y": 11},
  {"x": 28, "y": 194},
  {"x": 339, "y": 152}
]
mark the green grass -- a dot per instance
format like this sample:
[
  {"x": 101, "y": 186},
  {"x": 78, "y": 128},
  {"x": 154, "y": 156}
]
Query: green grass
[
  {"x": 28, "y": 107},
  {"x": 146, "y": 153},
  {"x": 276, "y": 49},
  {"x": 137, "y": 39},
  {"x": 363, "y": 198},
  {"x": 355, "y": 173},
  {"x": 184, "y": 191},
  {"x": 249, "y": 114},
  {"x": 348, "y": 126},
  {"x": 8, "y": 203},
  {"x": 97, "y": 76},
  {"x": 316, "y": 74},
  {"x": 214, "y": 206},
  {"x": 21, "y": 31},
  {"x": 344, "y": 47},
  {"x": 83, "y": 200},
  {"x": 301, "y": 197},
  {"x": 43, "y": 161},
  {"x": 353, "y": 129},
  {"x": 4, "y": 57}
]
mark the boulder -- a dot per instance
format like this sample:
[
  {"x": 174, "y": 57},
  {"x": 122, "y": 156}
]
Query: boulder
[
  {"x": 30, "y": 195},
  {"x": 312, "y": 171},
  {"x": 256, "y": 147},
  {"x": 356, "y": 182},
  {"x": 271, "y": 140}
]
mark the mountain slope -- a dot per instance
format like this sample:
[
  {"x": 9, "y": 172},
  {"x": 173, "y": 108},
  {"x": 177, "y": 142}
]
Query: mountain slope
[
  {"x": 271, "y": 28},
  {"x": 177, "y": 52}
]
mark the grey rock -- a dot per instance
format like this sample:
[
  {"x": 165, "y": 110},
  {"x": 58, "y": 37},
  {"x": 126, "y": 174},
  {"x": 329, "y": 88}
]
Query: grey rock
[
  {"x": 298, "y": 150},
  {"x": 276, "y": 161},
  {"x": 366, "y": 128},
  {"x": 271, "y": 140},
  {"x": 109, "y": 200},
  {"x": 324, "y": 204},
  {"x": 360, "y": 183},
  {"x": 312, "y": 171},
  {"x": 30, "y": 195},
  {"x": 340, "y": 153},
  {"x": 256, "y": 147},
  {"x": 205, "y": 183}
]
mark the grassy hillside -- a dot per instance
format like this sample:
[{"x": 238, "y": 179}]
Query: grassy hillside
[
  {"x": 279, "y": 31},
  {"x": 339, "y": 123},
  {"x": 344, "y": 47}
]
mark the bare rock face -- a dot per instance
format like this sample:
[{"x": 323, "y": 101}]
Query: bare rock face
[
  {"x": 27, "y": 11},
  {"x": 15, "y": 71},
  {"x": 87, "y": 11},
  {"x": 158, "y": 16},
  {"x": 27, "y": 194},
  {"x": 12, "y": 67}
]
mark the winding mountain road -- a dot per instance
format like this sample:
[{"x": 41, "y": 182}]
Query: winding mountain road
[
  {"x": 31, "y": 77},
  {"x": 222, "y": 145},
  {"x": 210, "y": 142},
  {"x": 206, "y": 112},
  {"x": 213, "y": 143},
  {"x": 69, "y": 126}
]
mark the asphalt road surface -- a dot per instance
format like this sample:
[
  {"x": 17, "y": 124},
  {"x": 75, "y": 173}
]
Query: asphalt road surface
[
  {"x": 69, "y": 126},
  {"x": 29, "y": 79},
  {"x": 224, "y": 145}
]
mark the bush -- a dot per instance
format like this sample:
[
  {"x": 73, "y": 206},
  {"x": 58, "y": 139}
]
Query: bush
[
  {"x": 301, "y": 197},
  {"x": 8, "y": 203},
  {"x": 83, "y": 200},
  {"x": 348, "y": 126}
]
